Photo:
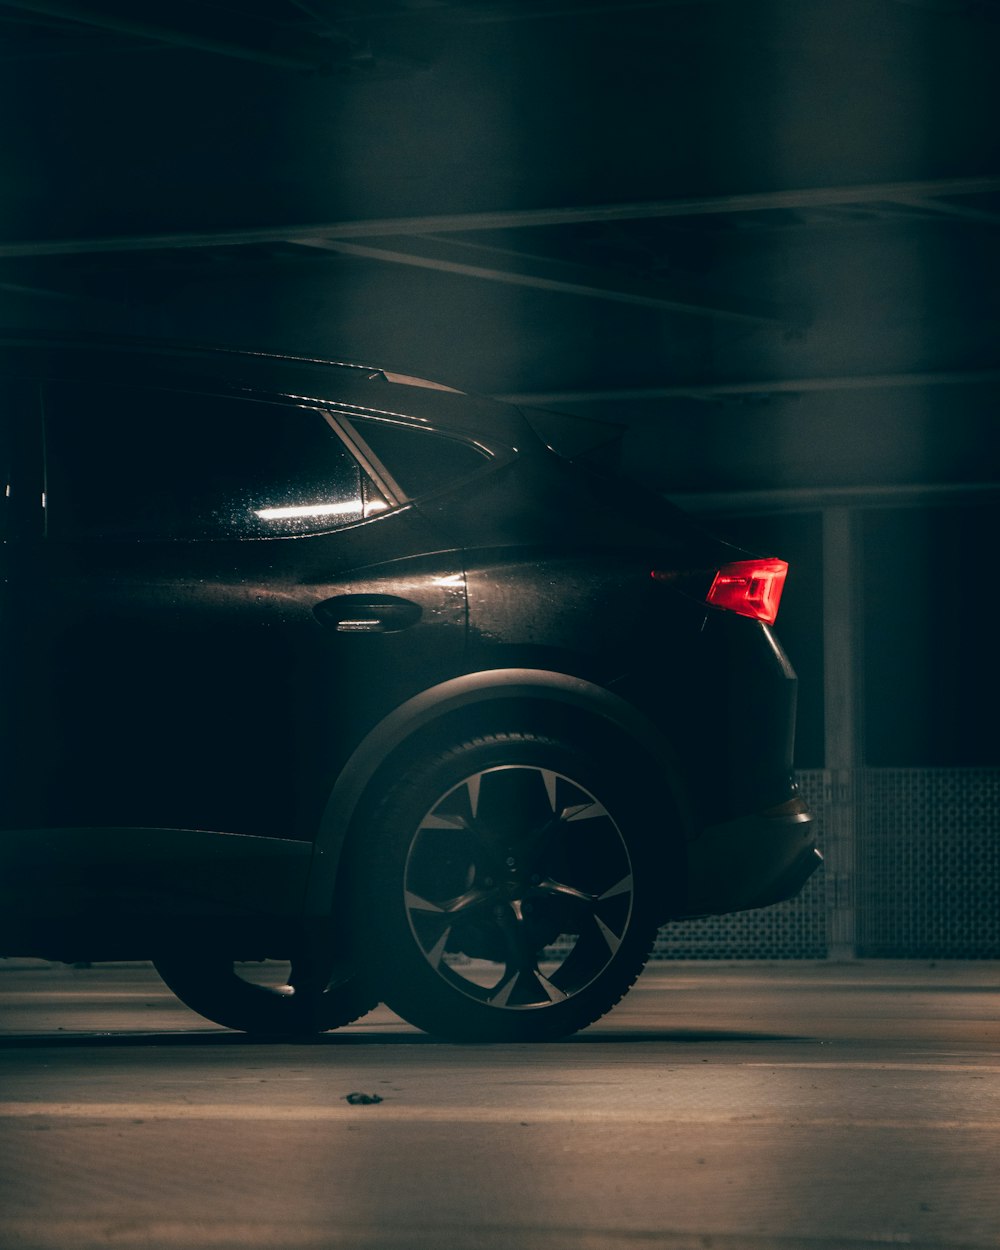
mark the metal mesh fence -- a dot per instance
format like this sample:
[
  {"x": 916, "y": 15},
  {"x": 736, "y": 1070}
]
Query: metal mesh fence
[{"x": 928, "y": 863}]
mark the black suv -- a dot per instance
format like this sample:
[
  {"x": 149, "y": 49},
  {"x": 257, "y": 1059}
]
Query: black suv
[{"x": 311, "y": 662}]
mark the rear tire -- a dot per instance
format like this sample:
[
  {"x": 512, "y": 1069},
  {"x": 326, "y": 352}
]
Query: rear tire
[
  {"x": 504, "y": 889},
  {"x": 262, "y": 996}
]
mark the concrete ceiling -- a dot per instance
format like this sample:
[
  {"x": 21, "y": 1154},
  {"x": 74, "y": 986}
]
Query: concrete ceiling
[{"x": 762, "y": 234}]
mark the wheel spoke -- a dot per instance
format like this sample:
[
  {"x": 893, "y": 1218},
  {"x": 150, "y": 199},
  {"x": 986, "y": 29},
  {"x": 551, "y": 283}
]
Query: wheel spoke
[
  {"x": 435, "y": 820},
  {"x": 436, "y": 953},
  {"x": 549, "y": 778},
  {"x": 561, "y": 890},
  {"x": 450, "y": 907},
  {"x": 501, "y": 994},
  {"x": 472, "y": 785},
  {"x": 552, "y": 992},
  {"x": 589, "y": 905},
  {"x": 583, "y": 811},
  {"x": 625, "y": 886},
  {"x": 415, "y": 903},
  {"x": 613, "y": 940},
  {"x": 520, "y": 978}
]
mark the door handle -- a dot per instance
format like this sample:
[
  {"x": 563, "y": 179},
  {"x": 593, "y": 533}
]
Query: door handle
[{"x": 367, "y": 614}]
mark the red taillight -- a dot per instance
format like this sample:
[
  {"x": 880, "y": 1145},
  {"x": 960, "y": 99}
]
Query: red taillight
[{"x": 750, "y": 588}]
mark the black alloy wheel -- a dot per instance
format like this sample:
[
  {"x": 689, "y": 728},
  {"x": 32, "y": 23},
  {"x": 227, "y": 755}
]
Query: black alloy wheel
[
  {"x": 267, "y": 997},
  {"x": 506, "y": 891}
]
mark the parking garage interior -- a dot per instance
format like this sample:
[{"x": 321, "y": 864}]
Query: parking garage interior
[
  {"x": 752, "y": 245},
  {"x": 760, "y": 239}
]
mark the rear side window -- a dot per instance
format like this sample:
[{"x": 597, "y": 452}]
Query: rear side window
[
  {"x": 131, "y": 462},
  {"x": 419, "y": 460}
]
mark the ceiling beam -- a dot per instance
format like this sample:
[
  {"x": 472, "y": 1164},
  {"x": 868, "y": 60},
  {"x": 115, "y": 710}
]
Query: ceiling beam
[
  {"x": 760, "y": 201},
  {"x": 761, "y": 389},
  {"x": 947, "y": 209},
  {"x": 516, "y": 269},
  {"x": 193, "y": 26},
  {"x": 738, "y": 503},
  {"x": 43, "y": 292},
  {"x": 481, "y": 14},
  {"x": 515, "y": 12}
]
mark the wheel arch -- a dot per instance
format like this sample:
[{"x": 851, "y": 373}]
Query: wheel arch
[{"x": 507, "y": 698}]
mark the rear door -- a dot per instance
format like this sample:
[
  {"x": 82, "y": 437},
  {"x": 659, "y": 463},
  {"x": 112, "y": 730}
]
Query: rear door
[{"x": 188, "y": 537}]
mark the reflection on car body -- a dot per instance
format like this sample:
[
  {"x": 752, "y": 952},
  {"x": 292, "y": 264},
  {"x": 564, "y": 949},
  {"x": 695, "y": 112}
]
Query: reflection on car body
[{"x": 310, "y": 662}]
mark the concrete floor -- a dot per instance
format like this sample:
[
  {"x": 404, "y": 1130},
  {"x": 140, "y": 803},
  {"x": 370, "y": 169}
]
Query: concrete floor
[{"x": 720, "y": 1107}]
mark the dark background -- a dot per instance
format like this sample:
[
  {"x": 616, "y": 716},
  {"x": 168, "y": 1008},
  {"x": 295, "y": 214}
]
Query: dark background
[{"x": 760, "y": 234}]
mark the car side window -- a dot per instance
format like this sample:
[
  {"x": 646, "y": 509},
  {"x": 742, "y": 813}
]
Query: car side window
[
  {"x": 141, "y": 463},
  {"x": 421, "y": 461}
]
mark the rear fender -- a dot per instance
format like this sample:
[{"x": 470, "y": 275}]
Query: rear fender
[{"x": 424, "y": 718}]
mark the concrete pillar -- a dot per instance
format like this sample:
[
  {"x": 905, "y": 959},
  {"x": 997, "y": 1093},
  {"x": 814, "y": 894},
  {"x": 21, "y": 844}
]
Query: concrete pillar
[{"x": 844, "y": 707}]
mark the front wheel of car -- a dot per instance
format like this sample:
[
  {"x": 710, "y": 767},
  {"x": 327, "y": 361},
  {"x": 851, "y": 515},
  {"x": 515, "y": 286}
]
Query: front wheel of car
[
  {"x": 504, "y": 889},
  {"x": 267, "y": 997}
]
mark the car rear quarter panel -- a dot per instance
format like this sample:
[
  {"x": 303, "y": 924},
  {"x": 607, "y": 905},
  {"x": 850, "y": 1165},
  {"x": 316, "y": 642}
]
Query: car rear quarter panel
[{"x": 716, "y": 685}]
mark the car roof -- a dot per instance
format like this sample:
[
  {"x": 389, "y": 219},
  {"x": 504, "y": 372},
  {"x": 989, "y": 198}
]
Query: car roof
[{"x": 363, "y": 389}]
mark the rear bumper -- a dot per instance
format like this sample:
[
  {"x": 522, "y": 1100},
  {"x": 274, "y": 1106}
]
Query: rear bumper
[{"x": 750, "y": 862}]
